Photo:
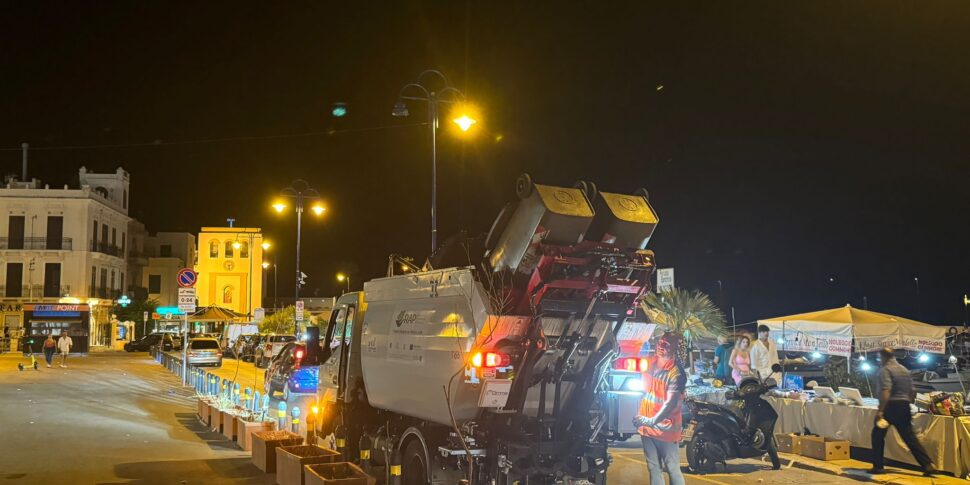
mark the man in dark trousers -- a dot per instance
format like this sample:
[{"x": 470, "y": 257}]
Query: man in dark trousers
[{"x": 895, "y": 387}]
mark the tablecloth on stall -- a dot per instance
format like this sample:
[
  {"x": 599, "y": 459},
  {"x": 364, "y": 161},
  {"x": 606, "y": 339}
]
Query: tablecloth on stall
[{"x": 945, "y": 438}]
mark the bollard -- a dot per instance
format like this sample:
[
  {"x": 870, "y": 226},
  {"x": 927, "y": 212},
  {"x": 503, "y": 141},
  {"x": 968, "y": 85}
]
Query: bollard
[
  {"x": 235, "y": 394},
  {"x": 281, "y": 416},
  {"x": 295, "y": 422},
  {"x": 311, "y": 423},
  {"x": 340, "y": 436},
  {"x": 395, "y": 469},
  {"x": 364, "y": 445}
]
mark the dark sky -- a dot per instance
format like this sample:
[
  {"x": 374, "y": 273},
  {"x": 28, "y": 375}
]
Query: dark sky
[{"x": 787, "y": 145}]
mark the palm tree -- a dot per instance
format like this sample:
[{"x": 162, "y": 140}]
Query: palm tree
[{"x": 690, "y": 314}]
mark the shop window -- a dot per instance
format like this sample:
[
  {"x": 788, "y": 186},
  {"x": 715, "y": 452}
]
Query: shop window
[
  {"x": 228, "y": 249},
  {"x": 213, "y": 249},
  {"x": 227, "y": 294}
]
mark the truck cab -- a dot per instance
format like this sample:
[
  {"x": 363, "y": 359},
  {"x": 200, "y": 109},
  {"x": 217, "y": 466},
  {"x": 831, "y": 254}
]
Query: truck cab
[{"x": 339, "y": 360}]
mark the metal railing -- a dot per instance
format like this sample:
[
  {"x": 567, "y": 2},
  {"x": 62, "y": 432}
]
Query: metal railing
[
  {"x": 37, "y": 243},
  {"x": 105, "y": 248},
  {"x": 35, "y": 291}
]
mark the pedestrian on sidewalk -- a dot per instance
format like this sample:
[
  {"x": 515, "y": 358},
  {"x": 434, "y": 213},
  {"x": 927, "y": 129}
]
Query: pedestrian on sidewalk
[
  {"x": 895, "y": 388},
  {"x": 660, "y": 420},
  {"x": 50, "y": 345},
  {"x": 64, "y": 345}
]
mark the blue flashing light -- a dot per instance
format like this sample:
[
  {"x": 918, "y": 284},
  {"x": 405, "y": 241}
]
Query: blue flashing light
[
  {"x": 865, "y": 366},
  {"x": 633, "y": 385},
  {"x": 816, "y": 355},
  {"x": 923, "y": 358}
]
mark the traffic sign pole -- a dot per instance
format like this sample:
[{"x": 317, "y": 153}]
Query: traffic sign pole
[{"x": 186, "y": 279}]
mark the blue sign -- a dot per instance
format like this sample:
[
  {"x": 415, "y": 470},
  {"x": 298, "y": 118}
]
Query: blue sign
[{"x": 186, "y": 278}]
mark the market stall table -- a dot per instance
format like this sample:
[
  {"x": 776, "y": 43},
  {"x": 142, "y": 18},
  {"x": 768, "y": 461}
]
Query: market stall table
[{"x": 944, "y": 437}]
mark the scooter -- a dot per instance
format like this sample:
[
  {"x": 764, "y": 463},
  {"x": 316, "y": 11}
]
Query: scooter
[
  {"x": 30, "y": 353},
  {"x": 717, "y": 433}
]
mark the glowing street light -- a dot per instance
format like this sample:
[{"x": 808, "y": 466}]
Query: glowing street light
[
  {"x": 266, "y": 245},
  {"x": 300, "y": 191},
  {"x": 433, "y": 94},
  {"x": 236, "y": 245},
  {"x": 464, "y": 122},
  {"x": 265, "y": 264},
  {"x": 344, "y": 278}
]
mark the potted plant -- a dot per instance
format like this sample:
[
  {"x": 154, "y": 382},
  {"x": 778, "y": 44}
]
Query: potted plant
[
  {"x": 291, "y": 459},
  {"x": 342, "y": 473},
  {"x": 264, "y": 446}
]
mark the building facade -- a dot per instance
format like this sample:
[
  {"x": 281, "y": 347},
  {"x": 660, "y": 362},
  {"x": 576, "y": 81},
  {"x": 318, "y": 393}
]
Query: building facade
[
  {"x": 63, "y": 246},
  {"x": 230, "y": 268}
]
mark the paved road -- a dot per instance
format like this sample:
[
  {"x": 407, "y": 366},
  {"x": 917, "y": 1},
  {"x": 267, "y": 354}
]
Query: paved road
[{"x": 122, "y": 418}]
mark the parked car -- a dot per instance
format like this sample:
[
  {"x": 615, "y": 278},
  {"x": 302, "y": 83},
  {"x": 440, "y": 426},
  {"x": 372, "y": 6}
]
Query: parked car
[
  {"x": 204, "y": 351},
  {"x": 286, "y": 375},
  {"x": 272, "y": 345},
  {"x": 145, "y": 343}
]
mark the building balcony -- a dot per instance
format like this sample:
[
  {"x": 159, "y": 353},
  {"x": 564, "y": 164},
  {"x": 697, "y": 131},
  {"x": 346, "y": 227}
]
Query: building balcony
[
  {"x": 105, "y": 248},
  {"x": 108, "y": 293},
  {"x": 34, "y": 292},
  {"x": 37, "y": 243}
]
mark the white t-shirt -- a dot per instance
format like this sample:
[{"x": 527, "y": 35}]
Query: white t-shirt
[
  {"x": 763, "y": 356},
  {"x": 64, "y": 344}
]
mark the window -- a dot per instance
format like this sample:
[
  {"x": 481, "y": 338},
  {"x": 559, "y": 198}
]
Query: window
[
  {"x": 94, "y": 236},
  {"x": 15, "y": 233},
  {"x": 165, "y": 251},
  {"x": 94, "y": 281},
  {"x": 228, "y": 249},
  {"x": 52, "y": 280},
  {"x": 213, "y": 249},
  {"x": 124, "y": 199},
  {"x": 112, "y": 279},
  {"x": 123, "y": 241},
  {"x": 104, "y": 283},
  {"x": 114, "y": 237},
  {"x": 154, "y": 284},
  {"x": 243, "y": 249},
  {"x": 15, "y": 276},
  {"x": 227, "y": 294},
  {"x": 55, "y": 232},
  {"x": 204, "y": 344},
  {"x": 121, "y": 284},
  {"x": 104, "y": 234}
]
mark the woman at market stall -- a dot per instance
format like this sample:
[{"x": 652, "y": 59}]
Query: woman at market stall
[{"x": 741, "y": 358}]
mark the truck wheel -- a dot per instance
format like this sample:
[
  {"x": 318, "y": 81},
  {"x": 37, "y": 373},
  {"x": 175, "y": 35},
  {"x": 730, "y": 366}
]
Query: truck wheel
[{"x": 414, "y": 464}]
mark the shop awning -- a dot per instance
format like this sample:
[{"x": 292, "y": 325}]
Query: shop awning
[{"x": 214, "y": 313}]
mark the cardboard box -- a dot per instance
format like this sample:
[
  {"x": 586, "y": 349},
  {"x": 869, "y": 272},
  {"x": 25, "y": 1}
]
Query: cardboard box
[
  {"x": 789, "y": 443},
  {"x": 825, "y": 449}
]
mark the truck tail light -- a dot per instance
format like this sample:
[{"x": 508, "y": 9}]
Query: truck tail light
[
  {"x": 491, "y": 359},
  {"x": 631, "y": 364}
]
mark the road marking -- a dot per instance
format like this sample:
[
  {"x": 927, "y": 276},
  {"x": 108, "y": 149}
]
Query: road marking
[
  {"x": 705, "y": 479},
  {"x": 644, "y": 463}
]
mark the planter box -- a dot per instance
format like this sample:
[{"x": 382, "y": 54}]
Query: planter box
[
  {"x": 825, "y": 448},
  {"x": 245, "y": 430},
  {"x": 343, "y": 473},
  {"x": 215, "y": 418},
  {"x": 201, "y": 408},
  {"x": 229, "y": 424},
  {"x": 265, "y": 444},
  {"x": 789, "y": 443},
  {"x": 291, "y": 459}
]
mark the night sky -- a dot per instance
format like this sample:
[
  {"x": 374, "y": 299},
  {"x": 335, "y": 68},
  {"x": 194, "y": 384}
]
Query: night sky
[{"x": 804, "y": 157}]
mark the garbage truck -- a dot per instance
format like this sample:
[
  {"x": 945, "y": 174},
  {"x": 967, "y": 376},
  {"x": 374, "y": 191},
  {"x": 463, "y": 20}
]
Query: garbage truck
[{"x": 489, "y": 364}]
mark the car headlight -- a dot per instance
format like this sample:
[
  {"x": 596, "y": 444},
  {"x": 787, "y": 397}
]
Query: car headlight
[{"x": 633, "y": 384}]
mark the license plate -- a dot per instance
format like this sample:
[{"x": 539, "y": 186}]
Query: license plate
[{"x": 688, "y": 432}]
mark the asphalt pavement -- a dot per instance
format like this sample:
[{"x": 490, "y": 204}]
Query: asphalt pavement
[{"x": 123, "y": 418}]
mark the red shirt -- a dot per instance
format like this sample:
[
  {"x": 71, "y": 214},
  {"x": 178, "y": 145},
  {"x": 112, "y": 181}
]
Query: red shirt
[{"x": 659, "y": 382}]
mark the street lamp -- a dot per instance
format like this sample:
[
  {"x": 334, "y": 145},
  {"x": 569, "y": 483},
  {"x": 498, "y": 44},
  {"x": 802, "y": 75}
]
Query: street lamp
[
  {"x": 420, "y": 91},
  {"x": 300, "y": 191},
  {"x": 344, "y": 278}
]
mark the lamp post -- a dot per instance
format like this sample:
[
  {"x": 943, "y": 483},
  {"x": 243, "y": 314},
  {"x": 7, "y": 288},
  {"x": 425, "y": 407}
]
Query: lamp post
[
  {"x": 419, "y": 90},
  {"x": 300, "y": 191},
  {"x": 344, "y": 278}
]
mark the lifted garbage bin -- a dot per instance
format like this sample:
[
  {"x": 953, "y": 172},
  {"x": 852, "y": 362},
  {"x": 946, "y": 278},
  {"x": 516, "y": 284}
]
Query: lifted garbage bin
[{"x": 291, "y": 459}]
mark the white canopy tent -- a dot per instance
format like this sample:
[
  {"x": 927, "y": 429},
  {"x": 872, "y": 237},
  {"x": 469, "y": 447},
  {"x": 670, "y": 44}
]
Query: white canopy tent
[{"x": 834, "y": 332}]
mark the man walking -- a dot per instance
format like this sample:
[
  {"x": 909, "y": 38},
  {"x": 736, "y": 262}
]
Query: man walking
[
  {"x": 764, "y": 354},
  {"x": 64, "y": 345},
  {"x": 895, "y": 391},
  {"x": 660, "y": 421}
]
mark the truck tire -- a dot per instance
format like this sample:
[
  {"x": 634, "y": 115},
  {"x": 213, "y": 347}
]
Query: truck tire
[{"x": 414, "y": 464}]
